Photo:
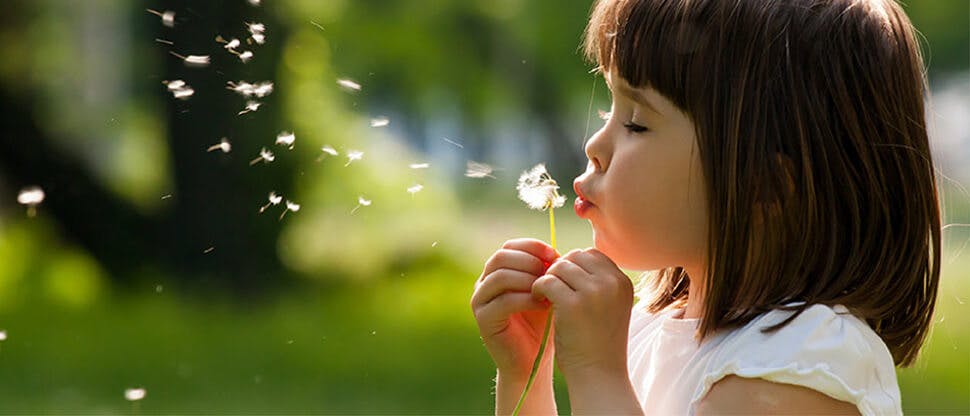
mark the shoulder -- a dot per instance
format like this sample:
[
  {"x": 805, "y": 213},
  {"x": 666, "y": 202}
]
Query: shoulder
[
  {"x": 824, "y": 355},
  {"x": 739, "y": 395}
]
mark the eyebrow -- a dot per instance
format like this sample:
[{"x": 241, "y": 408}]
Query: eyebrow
[{"x": 637, "y": 96}]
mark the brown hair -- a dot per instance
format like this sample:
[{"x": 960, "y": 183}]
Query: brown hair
[{"x": 811, "y": 131}]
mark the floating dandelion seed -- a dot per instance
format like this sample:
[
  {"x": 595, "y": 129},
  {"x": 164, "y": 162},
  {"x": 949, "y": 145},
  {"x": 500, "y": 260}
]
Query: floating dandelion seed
[
  {"x": 254, "y": 2},
  {"x": 379, "y": 122},
  {"x": 246, "y": 89},
  {"x": 209, "y": 250},
  {"x": 348, "y": 84},
  {"x": 265, "y": 156},
  {"x": 286, "y": 139},
  {"x": 257, "y": 32},
  {"x": 478, "y": 170},
  {"x": 250, "y": 107},
  {"x": 3, "y": 335},
  {"x": 245, "y": 56},
  {"x": 434, "y": 244},
  {"x": 273, "y": 200},
  {"x": 183, "y": 93},
  {"x": 290, "y": 206},
  {"x": 174, "y": 85},
  {"x": 419, "y": 165},
  {"x": 179, "y": 89},
  {"x": 223, "y": 145},
  {"x": 31, "y": 197},
  {"x": 168, "y": 16},
  {"x": 361, "y": 202},
  {"x": 604, "y": 115},
  {"x": 134, "y": 395},
  {"x": 329, "y": 150},
  {"x": 538, "y": 190},
  {"x": 192, "y": 60},
  {"x": 353, "y": 155},
  {"x": 228, "y": 44},
  {"x": 459, "y": 145},
  {"x": 415, "y": 189}
]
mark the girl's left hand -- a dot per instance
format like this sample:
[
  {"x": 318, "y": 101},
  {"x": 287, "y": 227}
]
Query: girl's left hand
[{"x": 591, "y": 299}]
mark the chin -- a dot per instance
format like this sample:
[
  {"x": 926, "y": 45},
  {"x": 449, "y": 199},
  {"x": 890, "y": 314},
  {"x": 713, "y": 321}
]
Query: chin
[{"x": 626, "y": 259}]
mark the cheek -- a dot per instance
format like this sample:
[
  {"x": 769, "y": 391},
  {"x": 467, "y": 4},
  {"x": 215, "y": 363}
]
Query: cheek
[{"x": 659, "y": 221}]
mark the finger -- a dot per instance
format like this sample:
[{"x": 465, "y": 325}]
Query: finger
[
  {"x": 595, "y": 262},
  {"x": 501, "y": 281},
  {"x": 552, "y": 288},
  {"x": 537, "y": 248},
  {"x": 513, "y": 260},
  {"x": 507, "y": 304},
  {"x": 572, "y": 274}
]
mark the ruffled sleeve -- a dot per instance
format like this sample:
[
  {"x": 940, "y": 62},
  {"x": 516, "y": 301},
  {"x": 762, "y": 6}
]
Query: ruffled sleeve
[{"x": 824, "y": 349}]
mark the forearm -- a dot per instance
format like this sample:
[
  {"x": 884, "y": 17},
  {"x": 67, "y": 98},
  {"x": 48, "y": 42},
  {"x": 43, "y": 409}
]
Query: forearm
[
  {"x": 541, "y": 399},
  {"x": 602, "y": 392}
]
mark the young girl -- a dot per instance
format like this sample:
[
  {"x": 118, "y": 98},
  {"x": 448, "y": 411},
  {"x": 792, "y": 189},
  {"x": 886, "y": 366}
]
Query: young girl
[{"x": 769, "y": 161}]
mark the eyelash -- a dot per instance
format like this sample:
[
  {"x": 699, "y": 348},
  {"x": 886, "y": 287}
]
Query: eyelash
[{"x": 635, "y": 128}]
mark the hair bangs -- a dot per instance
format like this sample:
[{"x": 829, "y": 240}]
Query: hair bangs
[{"x": 648, "y": 43}]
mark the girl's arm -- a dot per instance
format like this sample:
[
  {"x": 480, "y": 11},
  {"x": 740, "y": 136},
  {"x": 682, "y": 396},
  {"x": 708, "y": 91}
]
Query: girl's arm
[
  {"x": 600, "y": 392},
  {"x": 540, "y": 401}
]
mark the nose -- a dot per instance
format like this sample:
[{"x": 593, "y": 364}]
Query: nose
[{"x": 598, "y": 150}]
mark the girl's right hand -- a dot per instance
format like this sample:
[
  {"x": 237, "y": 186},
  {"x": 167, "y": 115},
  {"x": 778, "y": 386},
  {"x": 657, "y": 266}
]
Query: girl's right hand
[{"x": 510, "y": 320}]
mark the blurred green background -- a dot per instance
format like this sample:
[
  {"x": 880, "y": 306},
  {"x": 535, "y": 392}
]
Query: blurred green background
[{"x": 149, "y": 265}]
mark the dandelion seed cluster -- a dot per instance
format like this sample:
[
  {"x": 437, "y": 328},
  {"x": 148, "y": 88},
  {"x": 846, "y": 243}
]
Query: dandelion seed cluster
[{"x": 538, "y": 190}]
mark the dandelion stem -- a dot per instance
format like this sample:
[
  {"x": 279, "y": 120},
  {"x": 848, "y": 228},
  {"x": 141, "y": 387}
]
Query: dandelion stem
[{"x": 545, "y": 333}]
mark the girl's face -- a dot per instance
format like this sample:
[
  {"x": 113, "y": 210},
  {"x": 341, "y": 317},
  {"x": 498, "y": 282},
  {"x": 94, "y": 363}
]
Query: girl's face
[{"x": 643, "y": 190}]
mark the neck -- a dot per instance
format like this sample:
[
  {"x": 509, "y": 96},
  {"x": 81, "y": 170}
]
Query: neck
[{"x": 695, "y": 303}]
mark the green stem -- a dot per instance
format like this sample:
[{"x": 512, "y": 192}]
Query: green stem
[{"x": 545, "y": 334}]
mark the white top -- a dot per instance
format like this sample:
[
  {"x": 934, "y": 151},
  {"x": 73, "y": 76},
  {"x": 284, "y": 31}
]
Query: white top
[{"x": 824, "y": 349}]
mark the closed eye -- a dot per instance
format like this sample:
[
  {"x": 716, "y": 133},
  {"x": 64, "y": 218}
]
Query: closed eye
[{"x": 635, "y": 128}]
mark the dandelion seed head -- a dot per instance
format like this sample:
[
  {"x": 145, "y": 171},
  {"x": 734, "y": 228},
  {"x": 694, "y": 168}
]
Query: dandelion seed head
[
  {"x": 31, "y": 195},
  {"x": 232, "y": 44},
  {"x": 538, "y": 190},
  {"x": 329, "y": 150},
  {"x": 478, "y": 170},
  {"x": 415, "y": 188},
  {"x": 419, "y": 165},
  {"x": 255, "y": 28},
  {"x": 348, "y": 84},
  {"x": 259, "y": 38},
  {"x": 286, "y": 139},
  {"x": 133, "y": 395},
  {"x": 292, "y": 206},
  {"x": 363, "y": 202},
  {"x": 245, "y": 56},
  {"x": 379, "y": 122},
  {"x": 168, "y": 18}
]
